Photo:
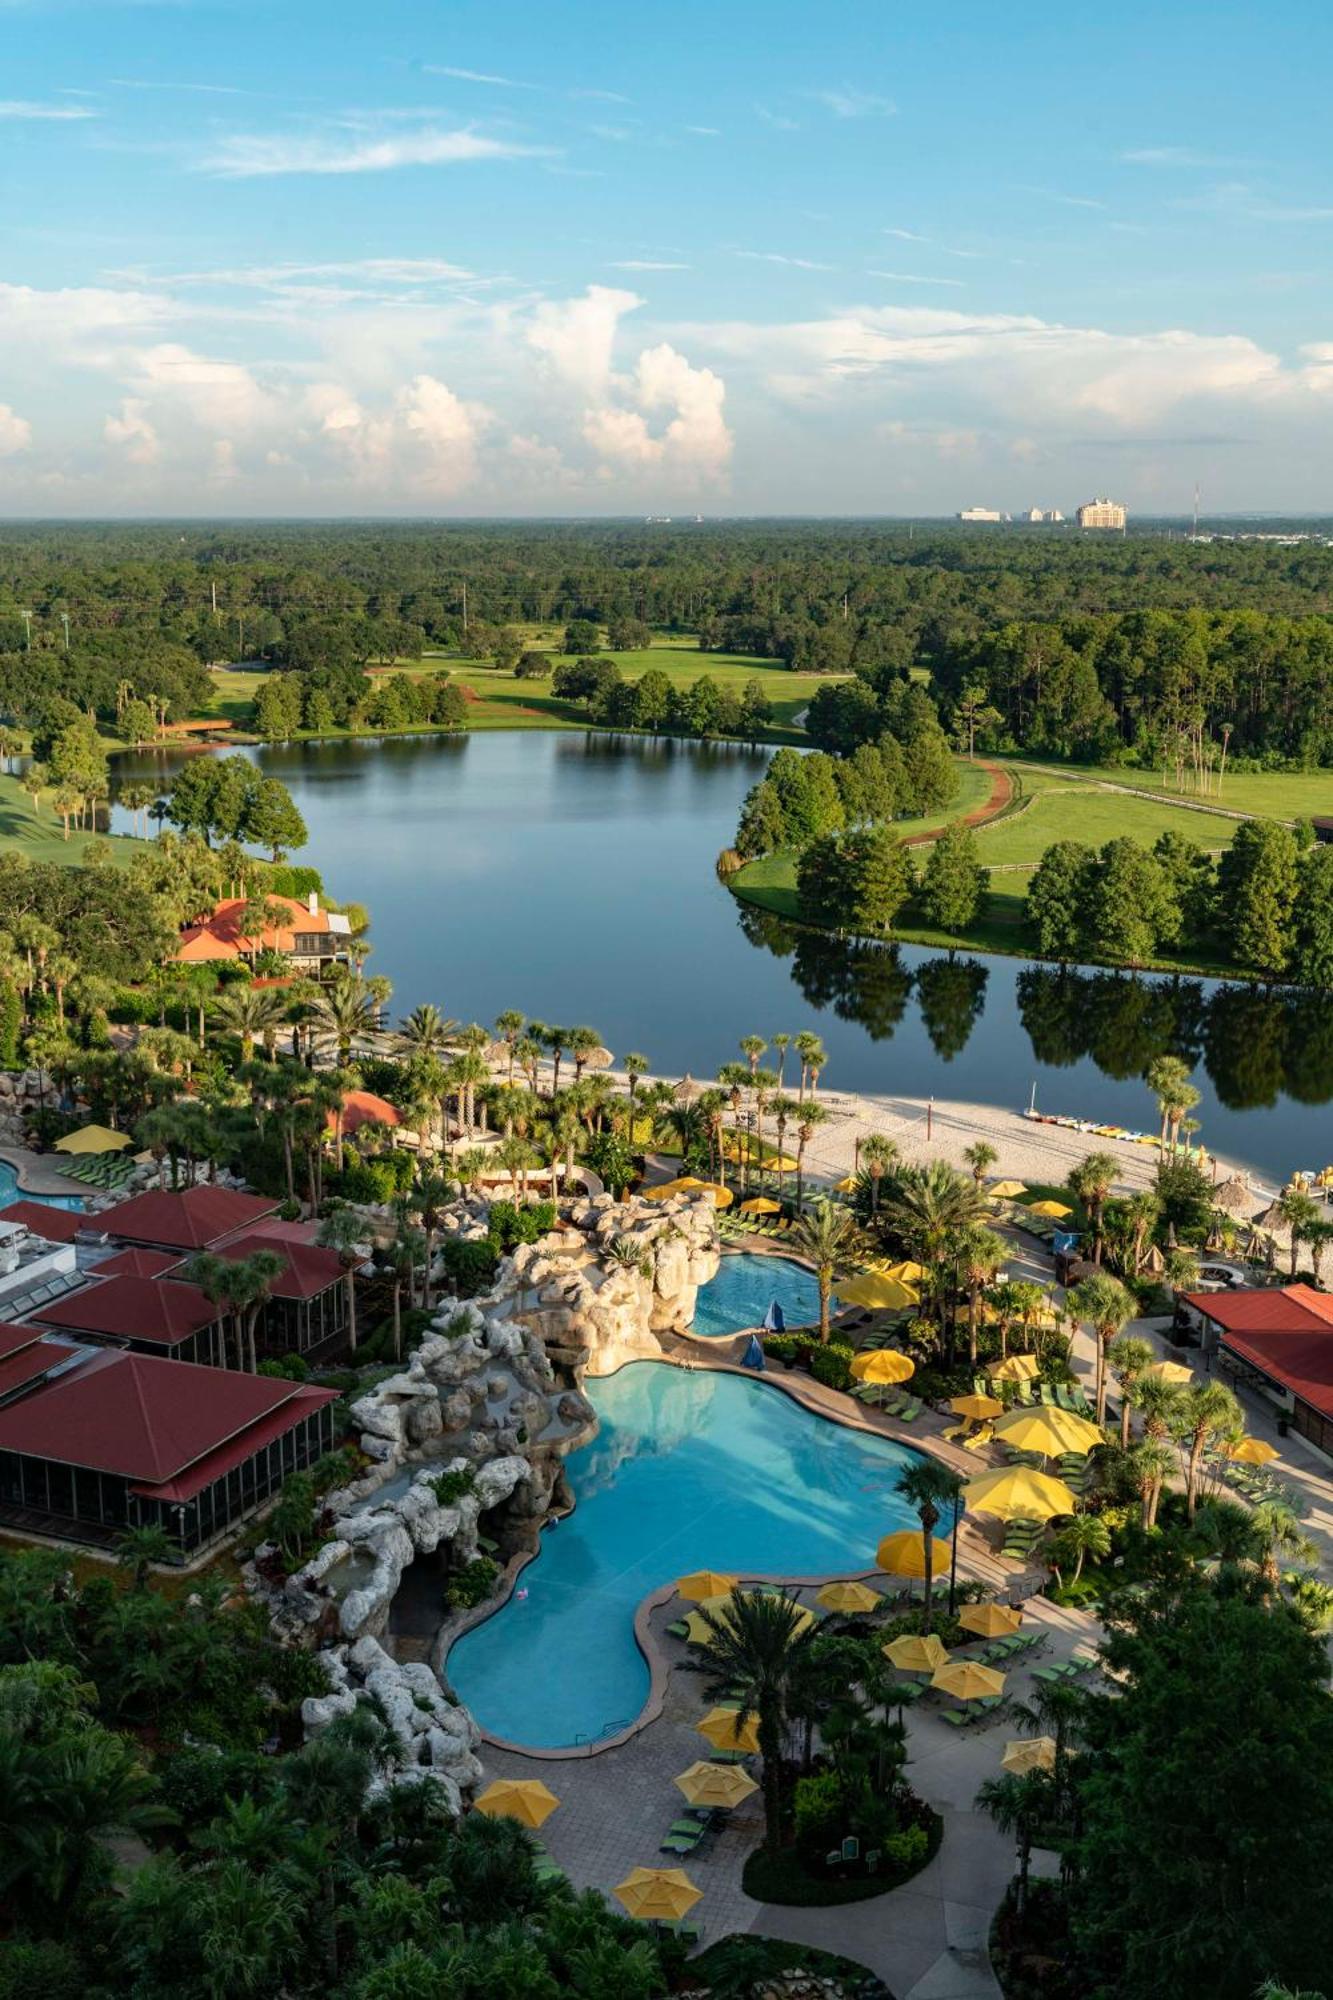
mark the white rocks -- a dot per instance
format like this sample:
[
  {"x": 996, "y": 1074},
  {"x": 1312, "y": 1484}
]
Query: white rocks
[{"x": 436, "y": 1739}]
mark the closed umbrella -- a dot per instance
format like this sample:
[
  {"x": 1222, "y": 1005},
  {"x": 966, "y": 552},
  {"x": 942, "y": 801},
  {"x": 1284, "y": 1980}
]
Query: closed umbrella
[
  {"x": 1252, "y": 1451},
  {"x": 904, "y": 1554},
  {"x": 658, "y": 1895},
  {"x": 967, "y": 1680},
  {"x": 725, "y": 1730},
  {"x": 1017, "y": 1368},
  {"x": 1048, "y": 1431},
  {"x": 915, "y": 1653},
  {"x": 849, "y": 1597},
  {"x": 977, "y": 1407},
  {"x": 1029, "y": 1753},
  {"x": 880, "y": 1293},
  {"x": 883, "y": 1364},
  {"x": 525, "y": 1799},
  {"x": 990, "y": 1621},
  {"x": 1018, "y": 1493},
  {"x": 719, "y": 1785},
  {"x": 701, "y": 1584}
]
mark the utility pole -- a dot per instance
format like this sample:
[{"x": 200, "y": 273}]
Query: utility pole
[
  {"x": 465, "y": 607},
  {"x": 213, "y": 592},
  {"x": 26, "y": 616},
  {"x": 240, "y": 636},
  {"x": 64, "y": 619}
]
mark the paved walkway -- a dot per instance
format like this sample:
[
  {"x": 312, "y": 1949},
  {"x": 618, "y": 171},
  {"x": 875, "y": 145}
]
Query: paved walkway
[{"x": 926, "y": 1940}]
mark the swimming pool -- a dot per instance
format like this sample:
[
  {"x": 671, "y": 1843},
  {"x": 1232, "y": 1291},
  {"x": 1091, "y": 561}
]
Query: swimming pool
[
  {"x": 744, "y": 1289},
  {"x": 688, "y": 1468},
  {"x": 11, "y": 1191}
]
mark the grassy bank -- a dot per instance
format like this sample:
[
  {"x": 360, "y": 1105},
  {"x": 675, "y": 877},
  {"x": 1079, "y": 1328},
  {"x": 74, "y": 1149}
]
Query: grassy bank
[
  {"x": 1268, "y": 794},
  {"x": 38, "y": 834},
  {"x": 1059, "y": 803}
]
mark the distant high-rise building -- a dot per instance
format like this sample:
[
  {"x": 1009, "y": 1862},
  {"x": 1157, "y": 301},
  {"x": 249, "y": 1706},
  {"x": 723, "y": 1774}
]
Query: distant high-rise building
[
  {"x": 1101, "y": 514},
  {"x": 1041, "y": 516},
  {"x": 980, "y": 514}
]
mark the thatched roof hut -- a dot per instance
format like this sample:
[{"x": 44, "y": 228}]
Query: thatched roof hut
[{"x": 1235, "y": 1195}]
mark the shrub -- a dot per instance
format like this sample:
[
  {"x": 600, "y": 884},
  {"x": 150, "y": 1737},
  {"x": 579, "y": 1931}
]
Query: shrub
[
  {"x": 817, "y": 1810},
  {"x": 472, "y": 1584},
  {"x": 285, "y": 1368},
  {"x": 832, "y": 1365},
  {"x": 470, "y": 1264},
  {"x": 289, "y": 879},
  {"x": 451, "y": 1486}
]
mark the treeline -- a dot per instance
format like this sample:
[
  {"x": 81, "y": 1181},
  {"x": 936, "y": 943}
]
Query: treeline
[
  {"x": 153, "y": 678},
  {"x": 1177, "y": 688},
  {"x": 905, "y": 771},
  {"x": 1267, "y": 906},
  {"x": 652, "y": 702},
  {"x": 862, "y": 880},
  {"x": 327, "y": 698}
]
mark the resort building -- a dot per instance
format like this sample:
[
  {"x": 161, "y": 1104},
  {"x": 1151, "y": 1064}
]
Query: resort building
[
  {"x": 185, "y": 1219},
  {"x": 1277, "y": 1340},
  {"x": 93, "y": 1442},
  {"x": 309, "y": 938},
  {"x": 981, "y": 514},
  {"x": 141, "y": 1314},
  {"x": 306, "y": 1309},
  {"x": 1102, "y": 514}
]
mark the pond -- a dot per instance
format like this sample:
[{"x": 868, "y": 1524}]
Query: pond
[
  {"x": 689, "y": 1470},
  {"x": 571, "y": 875}
]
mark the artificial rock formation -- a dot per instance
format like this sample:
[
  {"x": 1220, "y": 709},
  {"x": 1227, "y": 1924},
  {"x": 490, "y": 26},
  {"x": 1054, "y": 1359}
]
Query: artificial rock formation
[{"x": 436, "y": 1738}]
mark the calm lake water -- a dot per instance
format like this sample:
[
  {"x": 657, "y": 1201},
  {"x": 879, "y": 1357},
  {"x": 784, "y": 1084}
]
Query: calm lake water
[{"x": 571, "y": 876}]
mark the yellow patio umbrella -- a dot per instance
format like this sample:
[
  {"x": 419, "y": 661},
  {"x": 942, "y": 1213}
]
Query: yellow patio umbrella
[
  {"x": 847, "y": 1185},
  {"x": 990, "y": 1621},
  {"x": 1008, "y": 1190},
  {"x": 1018, "y": 1493},
  {"x": 908, "y": 1272},
  {"x": 1252, "y": 1451},
  {"x": 883, "y": 1364},
  {"x": 967, "y": 1680},
  {"x": 658, "y": 1895},
  {"x": 725, "y": 1731},
  {"x": 701, "y": 1584},
  {"x": 1168, "y": 1371},
  {"x": 1017, "y": 1368},
  {"x": 1029, "y": 1753},
  {"x": 904, "y": 1554},
  {"x": 1049, "y": 1431},
  {"x": 1055, "y": 1209},
  {"x": 849, "y": 1597},
  {"x": 915, "y": 1654},
  {"x": 93, "y": 1139},
  {"x": 524, "y": 1799},
  {"x": 697, "y": 1629},
  {"x": 977, "y": 1407},
  {"x": 760, "y": 1204},
  {"x": 665, "y": 1189},
  {"x": 875, "y": 1290},
  {"x": 722, "y": 1785}
]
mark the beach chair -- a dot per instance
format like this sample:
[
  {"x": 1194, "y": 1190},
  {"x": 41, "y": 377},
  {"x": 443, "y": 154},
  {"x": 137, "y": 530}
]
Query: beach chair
[
  {"x": 956, "y": 1432},
  {"x": 1046, "y": 1391},
  {"x": 678, "y": 1629},
  {"x": 979, "y": 1438},
  {"x": 955, "y": 1717}
]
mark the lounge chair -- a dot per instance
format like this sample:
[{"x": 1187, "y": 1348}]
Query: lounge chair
[
  {"x": 678, "y": 1629},
  {"x": 1047, "y": 1393},
  {"x": 979, "y": 1438}
]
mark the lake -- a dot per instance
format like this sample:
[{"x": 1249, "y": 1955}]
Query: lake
[{"x": 571, "y": 876}]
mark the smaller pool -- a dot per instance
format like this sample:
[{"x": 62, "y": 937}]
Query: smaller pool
[
  {"x": 11, "y": 1191},
  {"x": 744, "y": 1289}
]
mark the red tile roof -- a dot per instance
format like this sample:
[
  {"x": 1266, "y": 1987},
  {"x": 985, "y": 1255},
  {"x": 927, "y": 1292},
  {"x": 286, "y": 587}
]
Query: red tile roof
[
  {"x": 193, "y": 1219},
  {"x": 308, "y": 1271},
  {"x": 131, "y": 1308},
  {"x": 1285, "y": 1332},
  {"x": 148, "y": 1419},
  {"x": 1269, "y": 1308},
  {"x": 362, "y": 1107},
  {"x": 43, "y": 1218},
  {"x": 136, "y": 1263},
  {"x": 22, "y": 1366},
  {"x": 221, "y": 935},
  {"x": 228, "y": 1456}
]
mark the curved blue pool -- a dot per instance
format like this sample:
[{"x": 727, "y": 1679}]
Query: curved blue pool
[
  {"x": 688, "y": 1469},
  {"x": 744, "y": 1289},
  {"x": 11, "y": 1191}
]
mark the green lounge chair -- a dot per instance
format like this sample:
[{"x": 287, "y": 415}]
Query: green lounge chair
[{"x": 678, "y": 1629}]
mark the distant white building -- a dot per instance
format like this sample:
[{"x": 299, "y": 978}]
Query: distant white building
[
  {"x": 1101, "y": 514},
  {"x": 981, "y": 514}
]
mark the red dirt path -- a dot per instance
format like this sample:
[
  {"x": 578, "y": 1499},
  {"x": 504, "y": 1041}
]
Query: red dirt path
[{"x": 1001, "y": 791}]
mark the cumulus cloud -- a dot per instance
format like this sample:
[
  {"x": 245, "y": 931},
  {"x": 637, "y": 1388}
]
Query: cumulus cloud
[
  {"x": 695, "y": 440},
  {"x": 577, "y": 337},
  {"x": 132, "y": 431},
  {"x": 15, "y": 432}
]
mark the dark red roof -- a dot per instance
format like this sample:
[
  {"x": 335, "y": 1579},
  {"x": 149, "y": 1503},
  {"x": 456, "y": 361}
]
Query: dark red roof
[
  {"x": 135, "y": 1263},
  {"x": 43, "y": 1218},
  {"x": 22, "y": 1366},
  {"x": 216, "y": 1464},
  {"x": 309, "y": 1269},
  {"x": 148, "y": 1419},
  {"x": 1301, "y": 1362},
  {"x": 126, "y": 1308},
  {"x": 13, "y": 1337},
  {"x": 192, "y": 1219},
  {"x": 1266, "y": 1309}
]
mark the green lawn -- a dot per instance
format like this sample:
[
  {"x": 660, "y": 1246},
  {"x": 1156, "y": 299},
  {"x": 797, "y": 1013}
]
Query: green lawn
[
  {"x": 1070, "y": 805},
  {"x": 1270, "y": 794},
  {"x": 38, "y": 834}
]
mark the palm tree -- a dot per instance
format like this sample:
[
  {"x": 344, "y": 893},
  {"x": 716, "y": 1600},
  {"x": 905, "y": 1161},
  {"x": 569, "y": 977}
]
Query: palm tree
[
  {"x": 1278, "y": 1532},
  {"x": 1018, "y": 1806},
  {"x": 1152, "y": 1462},
  {"x": 343, "y": 1232},
  {"x": 509, "y": 1027},
  {"x": 806, "y": 1045},
  {"x": 980, "y": 1253},
  {"x": 340, "y": 1014},
  {"x": 1092, "y": 1181},
  {"x": 139, "y": 1548},
  {"x": 1203, "y": 1413},
  {"x": 405, "y": 1251},
  {"x": 930, "y": 1487},
  {"x": 752, "y": 1047},
  {"x": 556, "y": 1040},
  {"x": 781, "y": 1043},
  {"x": 426, "y": 1031},
  {"x": 583, "y": 1042},
  {"x": 1107, "y": 1307},
  {"x": 1082, "y": 1535},
  {"x": 753, "y": 1653},
  {"x": 812, "y": 1117},
  {"x": 879, "y": 1153},
  {"x": 1127, "y": 1358},
  {"x": 516, "y": 1157},
  {"x": 981, "y": 1157},
  {"x": 929, "y": 1208},
  {"x": 784, "y": 1110},
  {"x": 254, "y": 1013},
  {"x": 826, "y": 1237},
  {"x": 1169, "y": 1080},
  {"x": 636, "y": 1066},
  {"x": 429, "y": 1197},
  {"x": 1318, "y": 1235},
  {"x": 1300, "y": 1213}
]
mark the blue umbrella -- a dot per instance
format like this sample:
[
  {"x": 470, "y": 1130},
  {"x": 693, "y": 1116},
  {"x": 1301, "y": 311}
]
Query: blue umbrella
[
  {"x": 753, "y": 1356},
  {"x": 774, "y": 1319}
]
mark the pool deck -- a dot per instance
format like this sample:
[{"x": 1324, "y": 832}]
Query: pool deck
[{"x": 36, "y": 1174}]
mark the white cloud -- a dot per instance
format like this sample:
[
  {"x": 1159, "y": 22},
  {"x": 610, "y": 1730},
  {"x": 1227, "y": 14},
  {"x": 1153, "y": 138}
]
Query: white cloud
[
  {"x": 910, "y": 278},
  {"x": 907, "y": 235},
  {"x": 132, "y": 431},
  {"x": 704, "y": 131},
  {"x": 15, "y": 432},
  {"x": 577, "y": 336},
  {"x": 695, "y": 442},
  {"x": 778, "y": 257},
  {"x": 481, "y": 76},
  {"x": 1171, "y": 156},
  {"x": 246, "y": 156},
  {"x": 848, "y": 102},
  {"x": 382, "y": 270},
  {"x": 25, "y": 108},
  {"x": 646, "y": 264}
]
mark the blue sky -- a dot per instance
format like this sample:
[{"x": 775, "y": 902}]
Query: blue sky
[{"x": 581, "y": 258}]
